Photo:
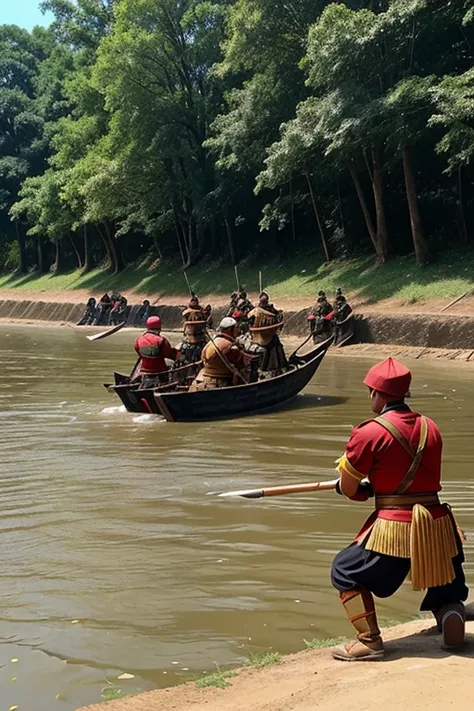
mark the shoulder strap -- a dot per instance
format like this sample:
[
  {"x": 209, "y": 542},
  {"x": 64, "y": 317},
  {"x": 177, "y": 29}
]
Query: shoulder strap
[{"x": 407, "y": 480}]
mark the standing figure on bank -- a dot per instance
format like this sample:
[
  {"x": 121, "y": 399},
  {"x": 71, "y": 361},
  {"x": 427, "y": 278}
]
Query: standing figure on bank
[
  {"x": 195, "y": 323},
  {"x": 265, "y": 321},
  {"x": 221, "y": 359},
  {"x": 241, "y": 312},
  {"x": 399, "y": 452},
  {"x": 153, "y": 348},
  {"x": 319, "y": 318}
]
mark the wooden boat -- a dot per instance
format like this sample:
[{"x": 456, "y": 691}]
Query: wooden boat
[
  {"x": 344, "y": 331},
  {"x": 176, "y": 404}
]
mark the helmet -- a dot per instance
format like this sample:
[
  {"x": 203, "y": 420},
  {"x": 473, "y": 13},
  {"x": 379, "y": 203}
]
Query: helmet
[
  {"x": 227, "y": 323},
  {"x": 153, "y": 323}
]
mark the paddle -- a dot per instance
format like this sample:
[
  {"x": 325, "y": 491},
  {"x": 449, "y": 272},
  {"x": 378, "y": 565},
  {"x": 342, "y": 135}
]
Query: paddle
[
  {"x": 281, "y": 490},
  {"x": 104, "y": 334}
]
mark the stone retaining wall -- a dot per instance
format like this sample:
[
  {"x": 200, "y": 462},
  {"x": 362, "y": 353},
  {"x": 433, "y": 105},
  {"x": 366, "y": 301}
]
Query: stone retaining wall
[{"x": 434, "y": 331}]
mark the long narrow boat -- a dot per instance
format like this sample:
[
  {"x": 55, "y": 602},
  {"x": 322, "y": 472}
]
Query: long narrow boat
[{"x": 178, "y": 405}]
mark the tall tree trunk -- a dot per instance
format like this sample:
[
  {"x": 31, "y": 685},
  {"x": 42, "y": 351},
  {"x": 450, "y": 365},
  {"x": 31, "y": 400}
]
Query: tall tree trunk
[
  {"x": 157, "y": 247},
  {"x": 22, "y": 262},
  {"x": 461, "y": 214},
  {"x": 39, "y": 255},
  {"x": 114, "y": 248},
  {"x": 57, "y": 257},
  {"x": 108, "y": 251},
  {"x": 365, "y": 210},
  {"x": 422, "y": 252},
  {"x": 377, "y": 186},
  {"x": 316, "y": 214},
  {"x": 76, "y": 252},
  {"x": 87, "y": 255},
  {"x": 184, "y": 236},
  {"x": 292, "y": 209},
  {"x": 230, "y": 239},
  {"x": 178, "y": 237}
]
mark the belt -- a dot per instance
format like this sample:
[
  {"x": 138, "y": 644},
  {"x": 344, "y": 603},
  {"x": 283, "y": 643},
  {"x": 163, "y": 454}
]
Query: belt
[{"x": 405, "y": 501}]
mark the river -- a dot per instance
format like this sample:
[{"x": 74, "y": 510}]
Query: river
[{"x": 116, "y": 559}]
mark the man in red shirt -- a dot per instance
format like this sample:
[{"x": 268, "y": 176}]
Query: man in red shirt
[
  {"x": 399, "y": 453},
  {"x": 153, "y": 349}
]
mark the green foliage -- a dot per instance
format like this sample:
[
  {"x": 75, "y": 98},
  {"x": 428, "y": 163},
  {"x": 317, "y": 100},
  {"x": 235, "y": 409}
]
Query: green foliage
[
  {"x": 262, "y": 659},
  {"x": 217, "y": 129},
  {"x": 217, "y": 679},
  {"x": 322, "y": 643}
]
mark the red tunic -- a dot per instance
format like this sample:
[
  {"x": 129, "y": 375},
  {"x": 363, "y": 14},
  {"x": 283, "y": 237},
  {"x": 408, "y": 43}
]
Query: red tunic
[
  {"x": 374, "y": 453},
  {"x": 153, "y": 349}
]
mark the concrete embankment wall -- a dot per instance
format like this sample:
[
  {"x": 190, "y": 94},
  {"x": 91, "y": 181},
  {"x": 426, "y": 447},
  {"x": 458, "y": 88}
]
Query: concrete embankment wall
[{"x": 427, "y": 330}]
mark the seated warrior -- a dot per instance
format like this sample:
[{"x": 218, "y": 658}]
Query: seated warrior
[
  {"x": 221, "y": 359},
  {"x": 118, "y": 311},
  {"x": 142, "y": 313},
  {"x": 319, "y": 318},
  {"x": 103, "y": 310},
  {"x": 242, "y": 310},
  {"x": 341, "y": 308},
  {"x": 195, "y": 323},
  {"x": 153, "y": 348},
  {"x": 234, "y": 297},
  {"x": 261, "y": 320},
  {"x": 89, "y": 313}
]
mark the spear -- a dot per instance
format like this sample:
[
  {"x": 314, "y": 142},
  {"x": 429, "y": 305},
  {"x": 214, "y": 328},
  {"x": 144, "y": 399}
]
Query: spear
[
  {"x": 282, "y": 490},
  {"x": 237, "y": 277},
  {"x": 260, "y": 282},
  {"x": 189, "y": 285}
]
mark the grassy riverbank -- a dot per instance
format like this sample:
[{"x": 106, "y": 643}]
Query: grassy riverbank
[
  {"x": 298, "y": 278},
  {"x": 416, "y": 673}
]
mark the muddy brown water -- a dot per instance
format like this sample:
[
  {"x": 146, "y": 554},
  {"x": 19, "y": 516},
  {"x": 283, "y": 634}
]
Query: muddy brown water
[{"x": 115, "y": 558}]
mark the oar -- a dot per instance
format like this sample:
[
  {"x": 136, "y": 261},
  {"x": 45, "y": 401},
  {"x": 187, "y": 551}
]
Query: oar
[
  {"x": 104, "y": 334},
  {"x": 282, "y": 490}
]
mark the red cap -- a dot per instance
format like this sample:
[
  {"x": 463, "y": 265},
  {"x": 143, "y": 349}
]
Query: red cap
[
  {"x": 389, "y": 377},
  {"x": 153, "y": 323}
]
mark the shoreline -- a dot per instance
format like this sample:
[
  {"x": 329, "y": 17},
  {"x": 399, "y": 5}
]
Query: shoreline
[
  {"x": 356, "y": 350},
  {"x": 415, "y": 674}
]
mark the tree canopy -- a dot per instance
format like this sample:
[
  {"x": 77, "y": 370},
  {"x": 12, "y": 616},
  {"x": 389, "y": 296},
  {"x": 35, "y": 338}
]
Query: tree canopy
[{"x": 221, "y": 129}]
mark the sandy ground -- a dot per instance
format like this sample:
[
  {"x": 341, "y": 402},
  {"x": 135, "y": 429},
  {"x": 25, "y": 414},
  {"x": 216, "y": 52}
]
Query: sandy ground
[
  {"x": 464, "y": 307},
  {"x": 416, "y": 675}
]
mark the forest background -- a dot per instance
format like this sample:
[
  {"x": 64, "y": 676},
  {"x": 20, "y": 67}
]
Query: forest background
[{"x": 199, "y": 132}]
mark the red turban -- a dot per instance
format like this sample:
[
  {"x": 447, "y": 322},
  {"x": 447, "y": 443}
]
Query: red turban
[{"x": 389, "y": 377}]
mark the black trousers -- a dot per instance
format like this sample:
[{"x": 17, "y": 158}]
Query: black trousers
[{"x": 382, "y": 575}]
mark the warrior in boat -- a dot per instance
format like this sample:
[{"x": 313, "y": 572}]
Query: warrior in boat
[
  {"x": 103, "y": 310},
  {"x": 265, "y": 321},
  {"x": 234, "y": 297},
  {"x": 196, "y": 321},
  {"x": 89, "y": 314},
  {"x": 153, "y": 348},
  {"x": 241, "y": 311},
  {"x": 221, "y": 359},
  {"x": 319, "y": 318},
  {"x": 397, "y": 458},
  {"x": 341, "y": 314},
  {"x": 142, "y": 313}
]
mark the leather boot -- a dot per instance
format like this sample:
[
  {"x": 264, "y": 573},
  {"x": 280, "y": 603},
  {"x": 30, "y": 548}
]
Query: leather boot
[
  {"x": 451, "y": 619},
  {"x": 360, "y": 608}
]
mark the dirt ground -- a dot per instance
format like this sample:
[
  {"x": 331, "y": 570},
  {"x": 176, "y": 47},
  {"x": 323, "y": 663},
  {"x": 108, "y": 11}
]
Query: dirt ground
[
  {"x": 416, "y": 675},
  {"x": 465, "y": 307}
]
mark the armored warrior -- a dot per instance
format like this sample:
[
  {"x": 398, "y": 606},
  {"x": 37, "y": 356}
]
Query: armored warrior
[
  {"x": 153, "y": 349},
  {"x": 319, "y": 318},
  {"x": 265, "y": 321},
  {"x": 241, "y": 311},
  {"x": 397, "y": 458},
  {"x": 196, "y": 320},
  {"x": 221, "y": 358}
]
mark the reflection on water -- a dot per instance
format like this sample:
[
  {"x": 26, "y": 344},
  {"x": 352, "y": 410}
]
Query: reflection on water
[{"x": 116, "y": 560}]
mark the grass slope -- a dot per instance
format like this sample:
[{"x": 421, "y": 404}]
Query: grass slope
[{"x": 449, "y": 277}]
